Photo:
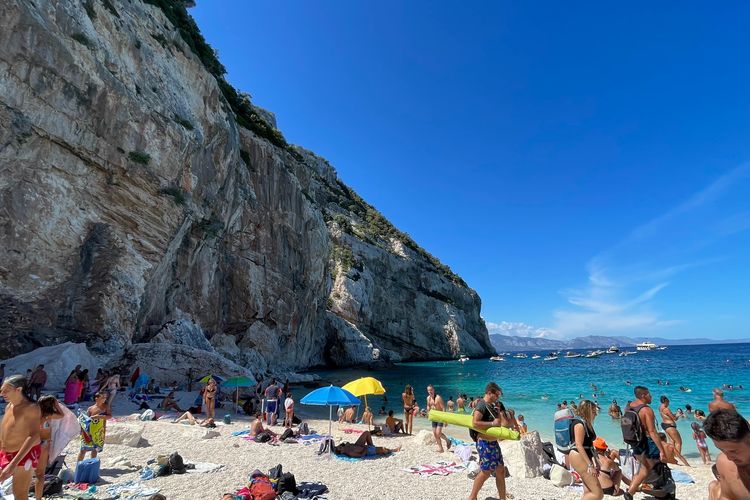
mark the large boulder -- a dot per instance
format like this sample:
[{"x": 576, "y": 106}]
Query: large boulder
[
  {"x": 58, "y": 360},
  {"x": 166, "y": 362},
  {"x": 524, "y": 457},
  {"x": 124, "y": 434},
  {"x": 424, "y": 438}
]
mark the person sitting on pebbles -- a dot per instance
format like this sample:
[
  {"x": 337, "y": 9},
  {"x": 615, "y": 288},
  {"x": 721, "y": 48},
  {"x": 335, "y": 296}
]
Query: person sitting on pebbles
[{"x": 190, "y": 419}]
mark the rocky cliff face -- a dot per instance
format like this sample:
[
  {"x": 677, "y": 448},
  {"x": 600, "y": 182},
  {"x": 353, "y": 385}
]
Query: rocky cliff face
[{"x": 143, "y": 201}]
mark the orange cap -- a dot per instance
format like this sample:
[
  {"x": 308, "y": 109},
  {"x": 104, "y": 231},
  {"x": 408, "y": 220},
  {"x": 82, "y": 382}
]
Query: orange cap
[{"x": 600, "y": 444}]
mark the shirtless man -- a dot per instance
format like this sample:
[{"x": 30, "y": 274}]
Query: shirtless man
[
  {"x": 719, "y": 403},
  {"x": 435, "y": 402},
  {"x": 363, "y": 447},
  {"x": 460, "y": 404},
  {"x": 20, "y": 446},
  {"x": 349, "y": 414},
  {"x": 731, "y": 434},
  {"x": 98, "y": 412},
  {"x": 650, "y": 450},
  {"x": 257, "y": 427}
]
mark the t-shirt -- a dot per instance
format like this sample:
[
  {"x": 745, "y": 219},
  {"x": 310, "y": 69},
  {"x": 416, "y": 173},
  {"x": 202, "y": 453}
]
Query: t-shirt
[
  {"x": 271, "y": 391},
  {"x": 289, "y": 403},
  {"x": 488, "y": 415}
]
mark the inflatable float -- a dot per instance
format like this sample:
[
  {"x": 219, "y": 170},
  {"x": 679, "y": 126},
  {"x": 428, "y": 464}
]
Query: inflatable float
[{"x": 463, "y": 420}]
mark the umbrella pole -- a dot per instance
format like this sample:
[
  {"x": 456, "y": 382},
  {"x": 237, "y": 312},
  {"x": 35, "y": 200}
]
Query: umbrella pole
[
  {"x": 330, "y": 417},
  {"x": 237, "y": 399},
  {"x": 367, "y": 406}
]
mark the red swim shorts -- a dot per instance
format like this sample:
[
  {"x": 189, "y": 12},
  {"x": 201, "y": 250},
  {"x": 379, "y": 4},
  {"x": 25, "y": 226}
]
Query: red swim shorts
[{"x": 30, "y": 461}]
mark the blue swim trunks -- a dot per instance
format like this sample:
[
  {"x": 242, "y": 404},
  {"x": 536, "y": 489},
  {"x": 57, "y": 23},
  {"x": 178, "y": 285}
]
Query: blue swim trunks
[
  {"x": 371, "y": 451},
  {"x": 490, "y": 456},
  {"x": 648, "y": 448}
]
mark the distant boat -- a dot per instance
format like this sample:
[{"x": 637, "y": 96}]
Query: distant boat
[
  {"x": 613, "y": 349},
  {"x": 572, "y": 355},
  {"x": 646, "y": 346},
  {"x": 521, "y": 355},
  {"x": 627, "y": 353},
  {"x": 497, "y": 358},
  {"x": 662, "y": 348},
  {"x": 463, "y": 359},
  {"x": 552, "y": 357},
  {"x": 594, "y": 354},
  {"x": 535, "y": 356}
]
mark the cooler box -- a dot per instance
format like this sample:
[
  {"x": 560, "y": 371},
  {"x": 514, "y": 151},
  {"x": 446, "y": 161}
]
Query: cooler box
[{"x": 87, "y": 471}]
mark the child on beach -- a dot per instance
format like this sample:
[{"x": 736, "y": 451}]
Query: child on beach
[
  {"x": 700, "y": 442},
  {"x": 50, "y": 410},
  {"x": 94, "y": 426},
  {"x": 289, "y": 409}
]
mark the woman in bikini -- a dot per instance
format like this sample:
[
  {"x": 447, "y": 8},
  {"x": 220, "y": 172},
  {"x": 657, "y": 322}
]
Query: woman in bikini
[
  {"x": 408, "y": 398},
  {"x": 669, "y": 425},
  {"x": 209, "y": 398},
  {"x": 583, "y": 457},
  {"x": 50, "y": 411}
]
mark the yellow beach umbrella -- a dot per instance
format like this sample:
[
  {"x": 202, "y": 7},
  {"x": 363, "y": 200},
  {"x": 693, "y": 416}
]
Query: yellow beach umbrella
[{"x": 364, "y": 386}]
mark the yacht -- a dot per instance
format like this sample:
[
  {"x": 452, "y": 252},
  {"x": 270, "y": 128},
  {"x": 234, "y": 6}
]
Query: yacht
[
  {"x": 497, "y": 358},
  {"x": 646, "y": 346},
  {"x": 572, "y": 355},
  {"x": 552, "y": 357},
  {"x": 613, "y": 349},
  {"x": 463, "y": 359}
]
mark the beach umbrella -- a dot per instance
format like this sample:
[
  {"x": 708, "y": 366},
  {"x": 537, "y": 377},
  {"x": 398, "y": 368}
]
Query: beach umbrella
[
  {"x": 205, "y": 379},
  {"x": 329, "y": 396},
  {"x": 364, "y": 386},
  {"x": 236, "y": 383}
]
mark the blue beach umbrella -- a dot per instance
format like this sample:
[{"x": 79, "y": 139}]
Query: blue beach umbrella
[{"x": 330, "y": 396}]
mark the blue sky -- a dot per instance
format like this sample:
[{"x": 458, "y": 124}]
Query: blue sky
[{"x": 585, "y": 167}]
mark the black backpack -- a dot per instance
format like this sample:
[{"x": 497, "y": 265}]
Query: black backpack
[
  {"x": 53, "y": 485},
  {"x": 662, "y": 485},
  {"x": 286, "y": 434},
  {"x": 176, "y": 463},
  {"x": 326, "y": 446},
  {"x": 263, "y": 437},
  {"x": 287, "y": 483},
  {"x": 630, "y": 424},
  {"x": 499, "y": 408},
  {"x": 303, "y": 429}
]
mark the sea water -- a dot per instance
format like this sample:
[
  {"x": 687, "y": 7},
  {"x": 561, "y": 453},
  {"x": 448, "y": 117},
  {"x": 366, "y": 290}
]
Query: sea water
[{"x": 533, "y": 387}]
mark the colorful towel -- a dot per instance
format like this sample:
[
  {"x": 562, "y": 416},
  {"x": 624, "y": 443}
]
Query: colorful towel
[
  {"x": 204, "y": 467},
  {"x": 350, "y": 430},
  {"x": 441, "y": 468},
  {"x": 130, "y": 490},
  {"x": 92, "y": 432},
  {"x": 358, "y": 459}
]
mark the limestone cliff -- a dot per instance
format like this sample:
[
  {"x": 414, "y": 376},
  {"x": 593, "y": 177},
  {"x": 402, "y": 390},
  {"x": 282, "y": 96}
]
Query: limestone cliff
[{"x": 143, "y": 200}]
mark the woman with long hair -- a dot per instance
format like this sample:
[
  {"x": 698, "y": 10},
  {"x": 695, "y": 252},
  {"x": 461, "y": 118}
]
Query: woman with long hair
[
  {"x": 72, "y": 387},
  {"x": 19, "y": 435},
  {"x": 50, "y": 411},
  {"x": 209, "y": 398},
  {"x": 583, "y": 456},
  {"x": 669, "y": 425},
  {"x": 408, "y": 398}
]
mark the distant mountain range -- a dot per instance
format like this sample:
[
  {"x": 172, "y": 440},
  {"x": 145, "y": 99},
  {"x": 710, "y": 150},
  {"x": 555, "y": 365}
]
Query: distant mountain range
[{"x": 503, "y": 343}]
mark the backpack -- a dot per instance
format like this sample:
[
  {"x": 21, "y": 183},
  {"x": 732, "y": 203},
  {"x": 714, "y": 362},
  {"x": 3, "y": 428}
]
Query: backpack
[
  {"x": 564, "y": 422},
  {"x": 303, "y": 430},
  {"x": 662, "y": 485},
  {"x": 286, "y": 434},
  {"x": 176, "y": 463},
  {"x": 261, "y": 489},
  {"x": 326, "y": 446},
  {"x": 474, "y": 434},
  {"x": 287, "y": 483},
  {"x": 53, "y": 485},
  {"x": 630, "y": 423},
  {"x": 263, "y": 437}
]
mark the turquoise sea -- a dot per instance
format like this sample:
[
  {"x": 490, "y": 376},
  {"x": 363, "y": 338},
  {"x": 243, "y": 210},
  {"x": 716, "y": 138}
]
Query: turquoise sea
[{"x": 527, "y": 382}]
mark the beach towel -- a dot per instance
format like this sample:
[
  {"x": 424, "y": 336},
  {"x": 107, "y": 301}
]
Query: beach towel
[
  {"x": 130, "y": 490},
  {"x": 682, "y": 477},
  {"x": 243, "y": 432},
  {"x": 344, "y": 458},
  {"x": 203, "y": 467},
  {"x": 463, "y": 452},
  {"x": 350, "y": 430},
  {"x": 458, "y": 442},
  {"x": 441, "y": 468},
  {"x": 63, "y": 431},
  {"x": 92, "y": 432}
]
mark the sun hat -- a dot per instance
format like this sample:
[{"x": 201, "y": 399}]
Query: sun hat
[{"x": 600, "y": 444}]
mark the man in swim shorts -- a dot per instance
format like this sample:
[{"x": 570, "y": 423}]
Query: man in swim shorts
[
  {"x": 650, "y": 450},
  {"x": 731, "y": 434},
  {"x": 486, "y": 414},
  {"x": 435, "y": 402},
  {"x": 20, "y": 446},
  {"x": 363, "y": 447}
]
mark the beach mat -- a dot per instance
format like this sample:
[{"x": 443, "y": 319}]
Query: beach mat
[
  {"x": 441, "y": 468},
  {"x": 344, "y": 458},
  {"x": 682, "y": 477}
]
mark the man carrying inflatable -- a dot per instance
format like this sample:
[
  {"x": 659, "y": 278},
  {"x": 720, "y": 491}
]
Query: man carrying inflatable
[{"x": 488, "y": 413}]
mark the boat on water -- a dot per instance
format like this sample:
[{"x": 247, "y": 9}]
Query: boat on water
[
  {"x": 521, "y": 355},
  {"x": 463, "y": 359},
  {"x": 573, "y": 355},
  {"x": 535, "y": 356},
  {"x": 646, "y": 346},
  {"x": 594, "y": 354},
  {"x": 552, "y": 357},
  {"x": 661, "y": 348},
  {"x": 613, "y": 349},
  {"x": 627, "y": 353},
  {"x": 497, "y": 358}
]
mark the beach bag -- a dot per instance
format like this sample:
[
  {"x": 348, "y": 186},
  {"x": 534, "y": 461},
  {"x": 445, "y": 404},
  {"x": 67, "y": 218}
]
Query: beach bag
[
  {"x": 263, "y": 437},
  {"x": 53, "y": 485},
  {"x": 560, "y": 476},
  {"x": 311, "y": 490},
  {"x": 303, "y": 430},
  {"x": 474, "y": 435},
  {"x": 326, "y": 446},
  {"x": 147, "y": 415},
  {"x": 176, "y": 463},
  {"x": 227, "y": 419},
  {"x": 660, "y": 482},
  {"x": 287, "y": 483},
  {"x": 630, "y": 424},
  {"x": 87, "y": 471},
  {"x": 564, "y": 421},
  {"x": 548, "y": 455},
  {"x": 261, "y": 489},
  {"x": 287, "y": 434}
]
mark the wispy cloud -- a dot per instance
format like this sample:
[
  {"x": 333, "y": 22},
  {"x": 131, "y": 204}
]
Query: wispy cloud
[
  {"x": 519, "y": 329},
  {"x": 624, "y": 281}
]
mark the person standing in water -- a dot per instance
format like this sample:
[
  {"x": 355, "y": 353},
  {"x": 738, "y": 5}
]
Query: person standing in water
[
  {"x": 408, "y": 399},
  {"x": 20, "y": 445},
  {"x": 669, "y": 425},
  {"x": 460, "y": 402},
  {"x": 435, "y": 402}
]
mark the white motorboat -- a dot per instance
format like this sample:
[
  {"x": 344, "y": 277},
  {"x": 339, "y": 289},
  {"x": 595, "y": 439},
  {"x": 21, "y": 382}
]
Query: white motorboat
[
  {"x": 573, "y": 355},
  {"x": 594, "y": 354},
  {"x": 552, "y": 357},
  {"x": 646, "y": 346},
  {"x": 497, "y": 358},
  {"x": 627, "y": 353},
  {"x": 463, "y": 359},
  {"x": 521, "y": 355},
  {"x": 613, "y": 349},
  {"x": 535, "y": 356}
]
